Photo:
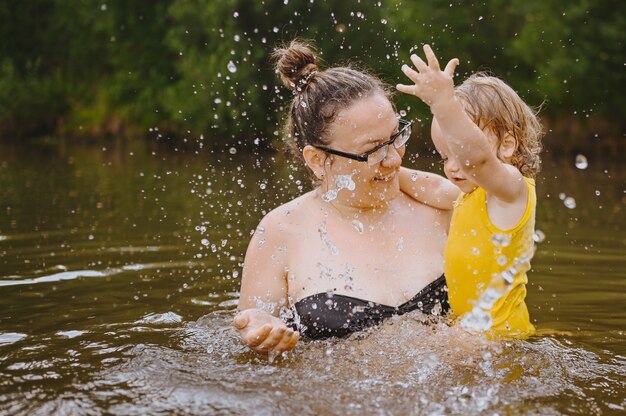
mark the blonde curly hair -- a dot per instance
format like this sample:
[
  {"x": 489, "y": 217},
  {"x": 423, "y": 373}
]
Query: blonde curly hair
[{"x": 494, "y": 105}]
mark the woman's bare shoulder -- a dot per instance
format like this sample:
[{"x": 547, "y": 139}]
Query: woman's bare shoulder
[{"x": 290, "y": 216}]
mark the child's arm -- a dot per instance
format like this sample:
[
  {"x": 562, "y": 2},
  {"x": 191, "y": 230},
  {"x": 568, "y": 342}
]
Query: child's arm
[
  {"x": 467, "y": 143},
  {"x": 428, "y": 188}
]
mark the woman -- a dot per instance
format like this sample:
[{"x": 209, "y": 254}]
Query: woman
[{"x": 355, "y": 250}]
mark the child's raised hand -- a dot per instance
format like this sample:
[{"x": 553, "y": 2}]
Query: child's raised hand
[{"x": 432, "y": 85}]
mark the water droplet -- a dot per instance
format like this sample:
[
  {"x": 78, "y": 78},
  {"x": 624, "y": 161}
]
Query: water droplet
[
  {"x": 501, "y": 239},
  {"x": 581, "y": 162},
  {"x": 562, "y": 196},
  {"x": 345, "y": 182},
  {"x": 303, "y": 104},
  {"x": 475, "y": 251},
  {"x": 502, "y": 260},
  {"x": 569, "y": 202},
  {"x": 326, "y": 239},
  {"x": 204, "y": 242},
  {"x": 330, "y": 195},
  {"x": 358, "y": 225},
  {"x": 477, "y": 320},
  {"x": 597, "y": 192},
  {"x": 509, "y": 275},
  {"x": 217, "y": 100},
  {"x": 414, "y": 176},
  {"x": 232, "y": 68},
  {"x": 539, "y": 236},
  {"x": 232, "y": 150}
]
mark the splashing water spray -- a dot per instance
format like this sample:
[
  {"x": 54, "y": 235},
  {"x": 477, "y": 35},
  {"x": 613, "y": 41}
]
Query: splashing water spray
[
  {"x": 341, "y": 182},
  {"x": 479, "y": 318}
]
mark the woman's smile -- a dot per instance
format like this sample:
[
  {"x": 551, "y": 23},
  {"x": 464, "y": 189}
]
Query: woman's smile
[{"x": 386, "y": 178}]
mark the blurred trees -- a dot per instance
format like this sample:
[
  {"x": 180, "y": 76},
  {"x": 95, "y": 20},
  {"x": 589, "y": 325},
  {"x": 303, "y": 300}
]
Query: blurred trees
[{"x": 191, "y": 68}]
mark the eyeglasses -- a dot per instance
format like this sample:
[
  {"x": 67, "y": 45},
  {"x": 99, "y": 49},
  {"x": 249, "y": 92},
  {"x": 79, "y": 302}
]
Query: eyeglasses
[{"x": 377, "y": 154}]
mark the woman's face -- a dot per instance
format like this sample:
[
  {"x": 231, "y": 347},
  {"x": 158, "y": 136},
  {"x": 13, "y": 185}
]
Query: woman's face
[{"x": 357, "y": 129}]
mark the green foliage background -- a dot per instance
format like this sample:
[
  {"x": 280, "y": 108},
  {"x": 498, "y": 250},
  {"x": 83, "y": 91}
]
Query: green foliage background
[{"x": 190, "y": 68}]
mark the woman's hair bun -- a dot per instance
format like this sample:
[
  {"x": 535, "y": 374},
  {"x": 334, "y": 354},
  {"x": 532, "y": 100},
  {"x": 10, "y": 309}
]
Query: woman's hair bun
[{"x": 295, "y": 62}]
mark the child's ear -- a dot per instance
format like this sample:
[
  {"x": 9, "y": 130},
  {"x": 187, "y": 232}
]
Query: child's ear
[
  {"x": 315, "y": 159},
  {"x": 508, "y": 146}
]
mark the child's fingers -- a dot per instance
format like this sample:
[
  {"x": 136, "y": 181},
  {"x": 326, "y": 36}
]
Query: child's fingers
[
  {"x": 410, "y": 73},
  {"x": 431, "y": 58},
  {"x": 407, "y": 89},
  {"x": 451, "y": 67},
  {"x": 419, "y": 63}
]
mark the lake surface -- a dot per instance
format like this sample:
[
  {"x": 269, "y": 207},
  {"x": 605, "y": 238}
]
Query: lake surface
[{"x": 119, "y": 274}]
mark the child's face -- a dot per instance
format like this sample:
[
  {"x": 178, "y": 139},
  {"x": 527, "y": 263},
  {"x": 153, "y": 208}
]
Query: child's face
[{"x": 451, "y": 166}]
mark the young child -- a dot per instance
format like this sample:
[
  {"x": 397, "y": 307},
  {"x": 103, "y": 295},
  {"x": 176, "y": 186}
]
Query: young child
[{"x": 489, "y": 140}]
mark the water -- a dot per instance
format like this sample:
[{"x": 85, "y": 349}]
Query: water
[{"x": 124, "y": 274}]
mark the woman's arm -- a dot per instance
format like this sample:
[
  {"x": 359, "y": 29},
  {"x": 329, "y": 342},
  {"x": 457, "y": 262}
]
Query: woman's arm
[
  {"x": 264, "y": 290},
  {"x": 428, "y": 188}
]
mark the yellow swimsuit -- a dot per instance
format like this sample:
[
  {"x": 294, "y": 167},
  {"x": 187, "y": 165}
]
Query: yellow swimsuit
[{"x": 479, "y": 256}]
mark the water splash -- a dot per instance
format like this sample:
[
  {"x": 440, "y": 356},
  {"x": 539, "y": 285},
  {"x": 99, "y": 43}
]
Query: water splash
[
  {"x": 161, "y": 319},
  {"x": 345, "y": 182},
  {"x": 330, "y": 195},
  {"x": 581, "y": 162},
  {"x": 479, "y": 318},
  {"x": 501, "y": 239},
  {"x": 326, "y": 239},
  {"x": 569, "y": 202},
  {"x": 539, "y": 236},
  {"x": 267, "y": 306},
  {"x": 341, "y": 182},
  {"x": 400, "y": 244}
]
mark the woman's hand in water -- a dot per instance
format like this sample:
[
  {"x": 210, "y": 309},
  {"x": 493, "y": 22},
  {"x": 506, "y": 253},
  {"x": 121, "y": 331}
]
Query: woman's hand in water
[
  {"x": 263, "y": 332},
  {"x": 432, "y": 85}
]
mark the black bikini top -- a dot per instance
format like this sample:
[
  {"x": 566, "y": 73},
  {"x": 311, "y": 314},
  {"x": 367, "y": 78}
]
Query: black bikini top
[{"x": 329, "y": 314}]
